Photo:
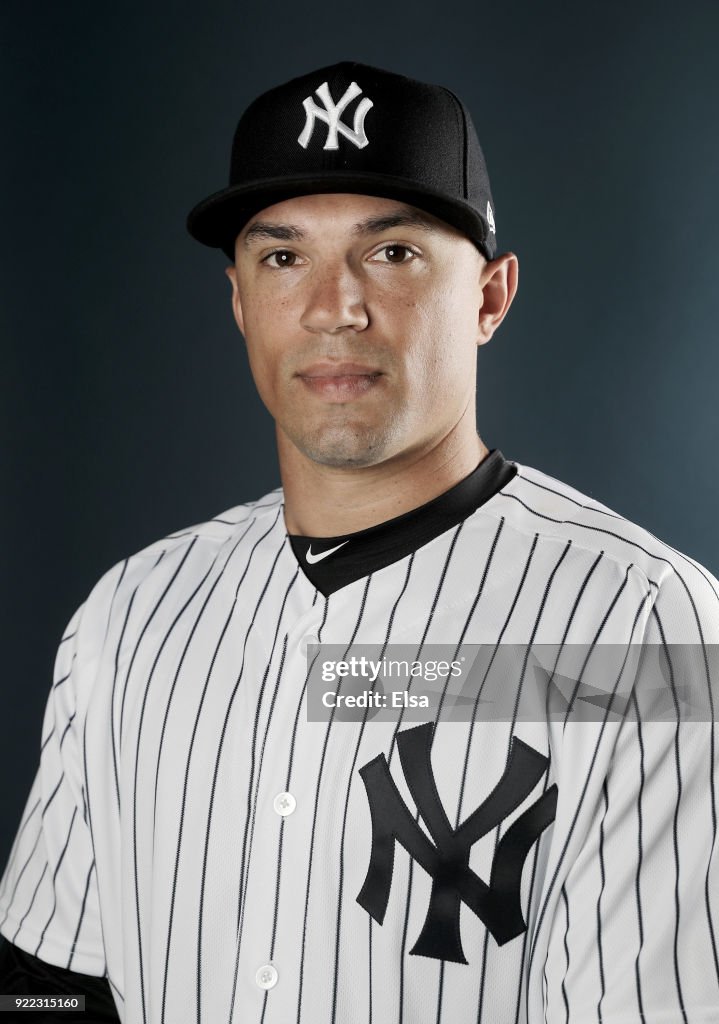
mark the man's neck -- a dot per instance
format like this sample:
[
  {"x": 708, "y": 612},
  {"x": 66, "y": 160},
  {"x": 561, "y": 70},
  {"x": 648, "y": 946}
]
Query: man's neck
[{"x": 324, "y": 501}]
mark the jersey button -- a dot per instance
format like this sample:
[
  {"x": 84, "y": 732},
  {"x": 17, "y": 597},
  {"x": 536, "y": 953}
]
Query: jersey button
[
  {"x": 266, "y": 976},
  {"x": 284, "y": 804}
]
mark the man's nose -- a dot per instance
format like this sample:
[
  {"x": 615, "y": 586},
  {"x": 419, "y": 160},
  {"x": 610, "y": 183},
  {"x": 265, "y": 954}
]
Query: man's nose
[{"x": 335, "y": 301}]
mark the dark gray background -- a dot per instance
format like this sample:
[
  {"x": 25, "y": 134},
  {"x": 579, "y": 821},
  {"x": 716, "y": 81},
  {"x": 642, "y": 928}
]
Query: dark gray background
[{"x": 127, "y": 411}]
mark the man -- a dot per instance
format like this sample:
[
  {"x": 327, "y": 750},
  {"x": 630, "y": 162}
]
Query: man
[{"x": 198, "y": 836}]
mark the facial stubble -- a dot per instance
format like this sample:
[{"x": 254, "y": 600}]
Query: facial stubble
[{"x": 343, "y": 439}]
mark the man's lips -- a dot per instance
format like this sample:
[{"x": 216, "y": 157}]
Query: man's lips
[
  {"x": 338, "y": 370},
  {"x": 339, "y": 382}
]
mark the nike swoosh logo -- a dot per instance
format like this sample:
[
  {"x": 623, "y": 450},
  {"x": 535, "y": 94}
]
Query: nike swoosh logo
[{"x": 323, "y": 554}]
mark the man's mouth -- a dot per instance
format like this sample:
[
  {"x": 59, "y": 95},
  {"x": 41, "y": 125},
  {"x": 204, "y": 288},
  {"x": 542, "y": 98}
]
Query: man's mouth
[{"x": 339, "y": 382}]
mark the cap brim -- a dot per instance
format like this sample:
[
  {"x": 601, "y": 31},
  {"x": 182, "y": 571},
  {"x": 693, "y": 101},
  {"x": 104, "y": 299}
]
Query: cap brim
[{"x": 218, "y": 219}]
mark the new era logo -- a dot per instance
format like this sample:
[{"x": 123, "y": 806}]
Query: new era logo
[{"x": 332, "y": 114}]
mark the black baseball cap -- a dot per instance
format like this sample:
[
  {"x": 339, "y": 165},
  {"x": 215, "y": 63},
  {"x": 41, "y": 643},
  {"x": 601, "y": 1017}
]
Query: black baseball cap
[{"x": 359, "y": 129}]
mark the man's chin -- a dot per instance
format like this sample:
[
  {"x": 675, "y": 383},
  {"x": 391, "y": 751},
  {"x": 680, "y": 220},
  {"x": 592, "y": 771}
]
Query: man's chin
[
  {"x": 343, "y": 451},
  {"x": 341, "y": 458}
]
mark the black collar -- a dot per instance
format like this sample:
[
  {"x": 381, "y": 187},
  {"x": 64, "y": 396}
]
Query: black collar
[{"x": 359, "y": 554}]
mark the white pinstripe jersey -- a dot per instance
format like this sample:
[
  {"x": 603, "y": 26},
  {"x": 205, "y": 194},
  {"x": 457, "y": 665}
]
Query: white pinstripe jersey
[{"x": 153, "y": 849}]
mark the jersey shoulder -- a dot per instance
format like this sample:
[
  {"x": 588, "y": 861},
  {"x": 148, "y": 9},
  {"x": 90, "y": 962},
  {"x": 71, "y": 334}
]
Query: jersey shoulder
[
  {"x": 176, "y": 562},
  {"x": 537, "y": 503},
  {"x": 218, "y": 529}
]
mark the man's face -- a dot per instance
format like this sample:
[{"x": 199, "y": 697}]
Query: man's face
[{"x": 361, "y": 318}]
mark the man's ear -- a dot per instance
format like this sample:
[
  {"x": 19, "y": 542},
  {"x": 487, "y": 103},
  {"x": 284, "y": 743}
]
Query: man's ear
[
  {"x": 499, "y": 282},
  {"x": 231, "y": 272}
]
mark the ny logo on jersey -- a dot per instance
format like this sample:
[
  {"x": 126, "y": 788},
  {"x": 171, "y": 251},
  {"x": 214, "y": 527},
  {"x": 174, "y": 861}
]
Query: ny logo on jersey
[
  {"x": 497, "y": 905},
  {"x": 331, "y": 116}
]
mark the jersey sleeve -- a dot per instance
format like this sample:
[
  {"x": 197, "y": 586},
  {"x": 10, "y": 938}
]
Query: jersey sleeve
[
  {"x": 48, "y": 893},
  {"x": 635, "y": 934}
]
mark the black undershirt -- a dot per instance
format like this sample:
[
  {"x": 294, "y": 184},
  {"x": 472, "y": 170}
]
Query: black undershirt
[
  {"x": 22, "y": 974},
  {"x": 378, "y": 546}
]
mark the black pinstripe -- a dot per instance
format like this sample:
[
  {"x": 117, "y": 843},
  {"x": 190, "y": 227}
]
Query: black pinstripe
[
  {"x": 566, "y": 951},
  {"x": 55, "y": 874},
  {"x": 592, "y": 646},
  {"x": 67, "y": 728},
  {"x": 52, "y": 796},
  {"x": 599, "y": 900},
  {"x": 114, "y": 987},
  {"x": 82, "y": 915},
  {"x": 675, "y": 837},
  {"x": 566, "y": 497},
  {"x": 23, "y": 825},
  {"x": 58, "y": 683},
  {"x": 712, "y": 746},
  {"x": 32, "y": 900},
  {"x": 47, "y": 739},
  {"x": 640, "y": 853},
  {"x": 19, "y": 877},
  {"x": 114, "y": 744},
  {"x": 87, "y": 812},
  {"x": 136, "y": 646}
]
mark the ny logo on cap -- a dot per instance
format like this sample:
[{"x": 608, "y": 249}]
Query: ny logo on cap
[{"x": 331, "y": 116}]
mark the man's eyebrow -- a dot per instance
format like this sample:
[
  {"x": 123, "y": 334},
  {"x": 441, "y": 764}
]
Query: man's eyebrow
[
  {"x": 371, "y": 226},
  {"x": 281, "y": 232},
  {"x": 402, "y": 219}
]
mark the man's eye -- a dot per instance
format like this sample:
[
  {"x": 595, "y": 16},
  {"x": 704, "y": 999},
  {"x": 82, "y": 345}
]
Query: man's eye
[
  {"x": 396, "y": 254},
  {"x": 281, "y": 258}
]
